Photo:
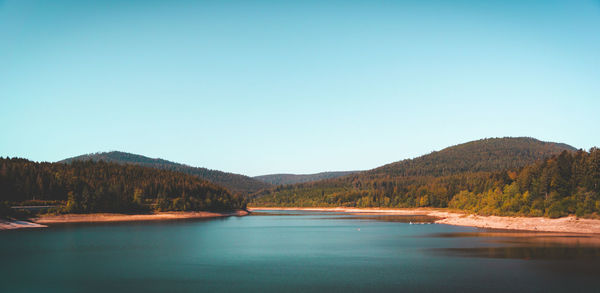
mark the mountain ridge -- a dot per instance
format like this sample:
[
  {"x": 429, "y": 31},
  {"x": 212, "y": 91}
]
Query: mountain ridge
[
  {"x": 234, "y": 182},
  {"x": 288, "y": 178}
]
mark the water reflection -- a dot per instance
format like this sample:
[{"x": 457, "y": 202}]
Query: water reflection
[
  {"x": 278, "y": 213},
  {"x": 525, "y": 252},
  {"x": 410, "y": 219},
  {"x": 328, "y": 215},
  {"x": 525, "y": 245},
  {"x": 292, "y": 213}
]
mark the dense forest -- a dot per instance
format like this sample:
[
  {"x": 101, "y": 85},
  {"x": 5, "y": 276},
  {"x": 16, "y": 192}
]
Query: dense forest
[
  {"x": 502, "y": 176},
  {"x": 235, "y": 183},
  {"x": 83, "y": 187},
  {"x": 480, "y": 176},
  {"x": 283, "y": 179},
  {"x": 484, "y": 155},
  {"x": 565, "y": 184}
]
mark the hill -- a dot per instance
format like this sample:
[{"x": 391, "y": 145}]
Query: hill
[
  {"x": 430, "y": 180},
  {"x": 234, "y": 182},
  {"x": 484, "y": 155},
  {"x": 88, "y": 186},
  {"x": 284, "y": 179}
]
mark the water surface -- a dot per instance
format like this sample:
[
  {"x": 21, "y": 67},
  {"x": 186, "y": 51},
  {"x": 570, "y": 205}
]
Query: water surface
[{"x": 289, "y": 251}]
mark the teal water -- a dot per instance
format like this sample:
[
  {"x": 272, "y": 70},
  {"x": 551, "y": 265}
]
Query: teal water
[{"x": 294, "y": 252}]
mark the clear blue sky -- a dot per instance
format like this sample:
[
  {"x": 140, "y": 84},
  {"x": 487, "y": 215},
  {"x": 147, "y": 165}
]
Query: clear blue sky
[{"x": 257, "y": 87}]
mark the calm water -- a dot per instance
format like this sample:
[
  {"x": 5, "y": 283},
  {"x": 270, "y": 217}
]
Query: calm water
[{"x": 294, "y": 252}]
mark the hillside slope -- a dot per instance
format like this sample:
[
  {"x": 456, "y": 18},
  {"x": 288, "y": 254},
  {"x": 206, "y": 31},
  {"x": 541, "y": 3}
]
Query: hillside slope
[
  {"x": 283, "y": 179},
  {"x": 429, "y": 180},
  {"x": 234, "y": 182},
  {"x": 88, "y": 186},
  {"x": 484, "y": 155}
]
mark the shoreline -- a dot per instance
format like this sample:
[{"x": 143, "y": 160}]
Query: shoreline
[
  {"x": 44, "y": 220},
  {"x": 570, "y": 224},
  {"x": 18, "y": 224}
]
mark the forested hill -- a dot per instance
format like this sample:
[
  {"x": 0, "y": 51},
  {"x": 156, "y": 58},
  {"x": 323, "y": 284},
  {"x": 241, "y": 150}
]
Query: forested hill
[
  {"x": 234, "y": 182},
  {"x": 485, "y": 155},
  {"x": 283, "y": 179},
  {"x": 471, "y": 169},
  {"x": 88, "y": 186}
]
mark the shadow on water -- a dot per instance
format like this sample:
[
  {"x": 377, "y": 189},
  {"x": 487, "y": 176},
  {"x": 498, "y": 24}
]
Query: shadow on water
[
  {"x": 527, "y": 252},
  {"x": 327, "y": 215},
  {"x": 167, "y": 222},
  {"x": 411, "y": 219},
  {"x": 336, "y": 215},
  {"x": 525, "y": 246},
  {"x": 284, "y": 213}
]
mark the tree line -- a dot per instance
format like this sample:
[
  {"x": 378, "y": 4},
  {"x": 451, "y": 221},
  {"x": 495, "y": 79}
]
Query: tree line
[
  {"x": 88, "y": 186},
  {"x": 559, "y": 186},
  {"x": 568, "y": 183}
]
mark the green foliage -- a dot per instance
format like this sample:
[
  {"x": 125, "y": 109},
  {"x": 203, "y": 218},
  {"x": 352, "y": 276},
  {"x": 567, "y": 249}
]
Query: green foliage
[
  {"x": 107, "y": 187},
  {"x": 5, "y": 210},
  {"x": 487, "y": 177},
  {"x": 283, "y": 179},
  {"x": 543, "y": 189},
  {"x": 233, "y": 182},
  {"x": 486, "y": 155}
]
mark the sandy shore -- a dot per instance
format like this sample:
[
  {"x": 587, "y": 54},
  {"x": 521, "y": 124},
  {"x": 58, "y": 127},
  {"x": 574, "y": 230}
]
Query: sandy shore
[
  {"x": 16, "y": 224},
  {"x": 109, "y": 217},
  {"x": 565, "y": 225}
]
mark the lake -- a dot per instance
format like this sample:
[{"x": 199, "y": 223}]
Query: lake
[{"x": 294, "y": 251}]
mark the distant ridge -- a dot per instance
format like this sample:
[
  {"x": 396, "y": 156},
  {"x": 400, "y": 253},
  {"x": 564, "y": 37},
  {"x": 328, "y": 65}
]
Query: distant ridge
[
  {"x": 283, "y": 179},
  {"x": 234, "y": 182}
]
